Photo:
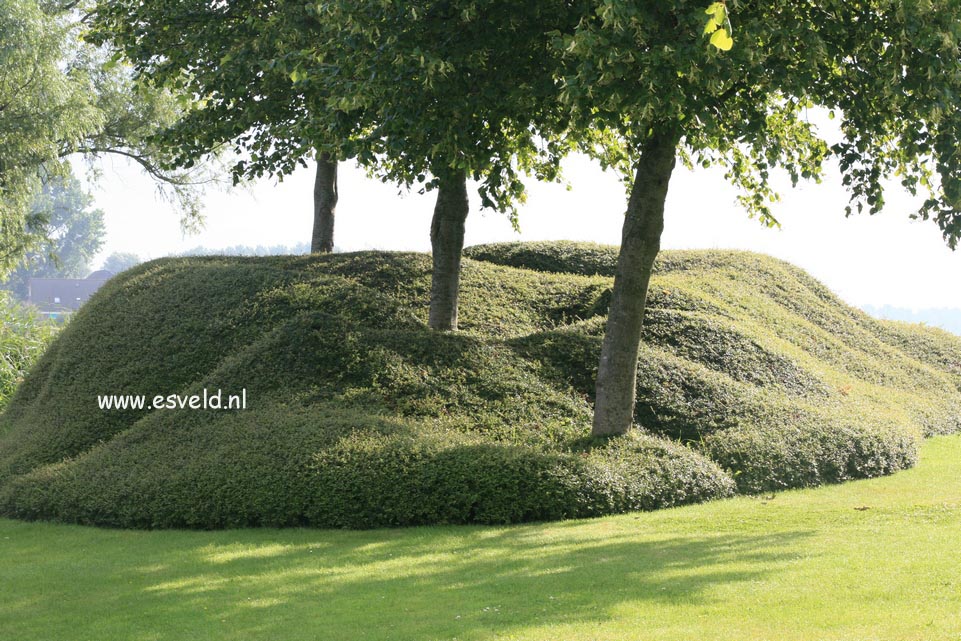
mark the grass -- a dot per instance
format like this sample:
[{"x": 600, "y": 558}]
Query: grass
[{"x": 867, "y": 560}]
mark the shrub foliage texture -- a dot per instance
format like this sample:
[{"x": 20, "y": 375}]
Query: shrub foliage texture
[{"x": 753, "y": 377}]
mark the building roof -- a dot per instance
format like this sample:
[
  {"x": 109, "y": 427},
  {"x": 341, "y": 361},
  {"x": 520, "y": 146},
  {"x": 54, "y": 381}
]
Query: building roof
[{"x": 64, "y": 294}]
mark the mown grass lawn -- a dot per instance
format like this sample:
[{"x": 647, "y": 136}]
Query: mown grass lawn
[{"x": 877, "y": 559}]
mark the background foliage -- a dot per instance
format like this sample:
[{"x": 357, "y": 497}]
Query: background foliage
[{"x": 24, "y": 335}]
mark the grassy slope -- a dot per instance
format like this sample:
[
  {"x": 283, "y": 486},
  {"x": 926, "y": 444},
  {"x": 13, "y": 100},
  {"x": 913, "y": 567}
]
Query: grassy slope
[
  {"x": 868, "y": 560},
  {"x": 360, "y": 416}
]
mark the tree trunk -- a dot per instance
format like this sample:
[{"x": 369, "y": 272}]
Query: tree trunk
[
  {"x": 447, "y": 243},
  {"x": 640, "y": 243},
  {"x": 325, "y": 205}
]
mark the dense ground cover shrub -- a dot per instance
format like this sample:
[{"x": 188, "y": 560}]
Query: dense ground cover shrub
[{"x": 752, "y": 376}]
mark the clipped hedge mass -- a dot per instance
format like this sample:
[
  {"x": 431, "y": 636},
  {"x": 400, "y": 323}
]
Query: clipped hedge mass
[{"x": 753, "y": 377}]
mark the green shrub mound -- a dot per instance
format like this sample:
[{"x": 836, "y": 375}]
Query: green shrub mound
[
  {"x": 753, "y": 377},
  {"x": 331, "y": 468}
]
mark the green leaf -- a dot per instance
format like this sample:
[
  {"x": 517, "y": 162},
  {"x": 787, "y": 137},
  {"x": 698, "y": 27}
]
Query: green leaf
[{"x": 722, "y": 40}]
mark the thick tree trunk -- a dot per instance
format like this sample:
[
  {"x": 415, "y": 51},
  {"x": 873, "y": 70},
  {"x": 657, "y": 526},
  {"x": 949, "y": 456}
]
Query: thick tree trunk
[
  {"x": 640, "y": 243},
  {"x": 447, "y": 243},
  {"x": 325, "y": 205}
]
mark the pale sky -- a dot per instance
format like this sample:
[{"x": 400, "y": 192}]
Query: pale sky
[{"x": 885, "y": 259}]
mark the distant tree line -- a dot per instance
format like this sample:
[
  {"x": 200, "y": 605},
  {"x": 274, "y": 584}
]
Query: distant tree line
[
  {"x": 248, "y": 250},
  {"x": 944, "y": 317},
  {"x": 120, "y": 261}
]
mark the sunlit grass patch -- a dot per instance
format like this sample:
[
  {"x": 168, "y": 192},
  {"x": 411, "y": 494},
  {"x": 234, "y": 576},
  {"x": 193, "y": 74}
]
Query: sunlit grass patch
[{"x": 873, "y": 559}]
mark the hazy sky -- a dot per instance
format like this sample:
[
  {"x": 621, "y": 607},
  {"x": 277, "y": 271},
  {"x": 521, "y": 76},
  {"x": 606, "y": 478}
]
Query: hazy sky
[{"x": 885, "y": 259}]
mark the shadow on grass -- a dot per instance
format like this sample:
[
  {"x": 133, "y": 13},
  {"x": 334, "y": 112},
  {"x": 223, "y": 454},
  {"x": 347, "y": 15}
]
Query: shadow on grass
[{"x": 423, "y": 584}]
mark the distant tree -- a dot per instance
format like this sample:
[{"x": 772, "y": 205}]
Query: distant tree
[
  {"x": 72, "y": 232},
  {"x": 663, "y": 80},
  {"x": 120, "y": 261}
]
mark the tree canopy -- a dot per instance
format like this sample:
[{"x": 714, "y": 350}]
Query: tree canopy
[
  {"x": 120, "y": 261},
  {"x": 234, "y": 60},
  {"x": 888, "y": 70},
  {"x": 438, "y": 86},
  {"x": 42, "y": 106},
  {"x": 131, "y": 116},
  {"x": 228, "y": 61},
  {"x": 408, "y": 88}
]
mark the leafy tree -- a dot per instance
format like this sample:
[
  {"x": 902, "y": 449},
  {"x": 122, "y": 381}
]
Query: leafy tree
[
  {"x": 72, "y": 233},
  {"x": 429, "y": 93},
  {"x": 42, "y": 106},
  {"x": 131, "y": 114},
  {"x": 120, "y": 261},
  {"x": 60, "y": 97},
  {"x": 655, "y": 78},
  {"x": 442, "y": 92},
  {"x": 235, "y": 56}
]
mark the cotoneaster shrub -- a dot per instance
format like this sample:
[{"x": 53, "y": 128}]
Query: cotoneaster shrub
[
  {"x": 752, "y": 376},
  {"x": 334, "y": 470}
]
